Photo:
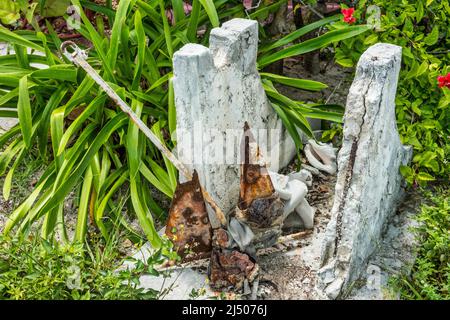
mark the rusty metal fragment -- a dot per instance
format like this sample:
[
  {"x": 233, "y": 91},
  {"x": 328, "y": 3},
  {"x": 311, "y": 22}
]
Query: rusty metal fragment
[
  {"x": 259, "y": 212},
  {"x": 188, "y": 226},
  {"x": 259, "y": 205},
  {"x": 229, "y": 268},
  {"x": 255, "y": 179}
]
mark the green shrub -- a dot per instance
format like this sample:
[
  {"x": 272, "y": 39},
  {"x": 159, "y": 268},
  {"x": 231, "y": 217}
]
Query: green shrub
[
  {"x": 95, "y": 149},
  {"x": 9, "y": 12},
  {"x": 422, "y": 28},
  {"x": 35, "y": 269},
  {"x": 430, "y": 278}
]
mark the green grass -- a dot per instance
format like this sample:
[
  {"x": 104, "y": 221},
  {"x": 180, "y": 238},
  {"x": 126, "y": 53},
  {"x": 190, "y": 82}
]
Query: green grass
[
  {"x": 430, "y": 277},
  {"x": 35, "y": 269},
  {"x": 25, "y": 177}
]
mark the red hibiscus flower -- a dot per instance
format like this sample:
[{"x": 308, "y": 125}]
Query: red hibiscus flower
[
  {"x": 444, "y": 81},
  {"x": 348, "y": 15}
]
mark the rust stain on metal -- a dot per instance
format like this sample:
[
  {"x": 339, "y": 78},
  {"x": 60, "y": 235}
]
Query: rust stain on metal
[
  {"x": 220, "y": 238},
  {"x": 188, "y": 226},
  {"x": 229, "y": 268}
]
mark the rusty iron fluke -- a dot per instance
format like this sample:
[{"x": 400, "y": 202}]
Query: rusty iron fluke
[
  {"x": 255, "y": 179},
  {"x": 188, "y": 226},
  {"x": 259, "y": 213},
  {"x": 259, "y": 205}
]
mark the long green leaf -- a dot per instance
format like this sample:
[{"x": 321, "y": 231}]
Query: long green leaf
[
  {"x": 61, "y": 72},
  {"x": 119, "y": 21},
  {"x": 140, "y": 37},
  {"x": 134, "y": 158},
  {"x": 298, "y": 33},
  {"x": 158, "y": 184},
  {"x": 172, "y": 115},
  {"x": 83, "y": 208},
  {"x": 167, "y": 32},
  {"x": 178, "y": 10},
  {"x": 24, "y": 111},
  {"x": 96, "y": 39},
  {"x": 313, "y": 44},
  {"x": 191, "y": 32},
  {"x": 42, "y": 131},
  {"x": 12, "y": 38},
  {"x": 25, "y": 207},
  {"x": 303, "y": 84},
  {"x": 288, "y": 125},
  {"x": 291, "y": 110},
  {"x": 99, "y": 212},
  {"x": 79, "y": 121},
  {"x": 9, "y": 176},
  {"x": 210, "y": 9}
]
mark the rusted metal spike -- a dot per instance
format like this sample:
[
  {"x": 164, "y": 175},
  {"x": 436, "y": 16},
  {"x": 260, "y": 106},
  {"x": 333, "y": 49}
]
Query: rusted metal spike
[
  {"x": 188, "y": 226},
  {"x": 259, "y": 205}
]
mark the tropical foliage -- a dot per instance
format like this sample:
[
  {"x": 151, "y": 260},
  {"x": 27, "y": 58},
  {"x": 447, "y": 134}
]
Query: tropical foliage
[
  {"x": 430, "y": 277},
  {"x": 423, "y": 113}
]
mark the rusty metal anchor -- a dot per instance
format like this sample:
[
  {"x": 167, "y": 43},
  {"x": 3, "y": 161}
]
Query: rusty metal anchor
[{"x": 258, "y": 213}]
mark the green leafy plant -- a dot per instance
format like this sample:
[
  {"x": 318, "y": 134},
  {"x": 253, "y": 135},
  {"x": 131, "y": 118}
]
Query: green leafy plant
[
  {"x": 421, "y": 28},
  {"x": 9, "y": 12},
  {"x": 430, "y": 276},
  {"x": 294, "y": 113},
  {"x": 333, "y": 134},
  {"x": 98, "y": 151},
  {"x": 92, "y": 148},
  {"x": 53, "y": 8},
  {"x": 35, "y": 269}
]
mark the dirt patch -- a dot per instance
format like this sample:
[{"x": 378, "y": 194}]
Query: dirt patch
[
  {"x": 338, "y": 79},
  {"x": 298, "y": 259}
]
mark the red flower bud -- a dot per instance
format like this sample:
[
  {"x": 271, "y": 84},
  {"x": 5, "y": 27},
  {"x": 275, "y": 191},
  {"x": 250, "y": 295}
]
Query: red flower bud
[
  {"x": 348, "y": 15},
  {"x": 444, "y": 81},
  {"x": 350, "y": 20},
  {"x": 348, "y": 12}
]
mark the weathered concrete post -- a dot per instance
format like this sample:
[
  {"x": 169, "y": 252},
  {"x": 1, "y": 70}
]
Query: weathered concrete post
[
  {"x": 369, "y": 184},
  {"x": 216, "y": 90}
]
